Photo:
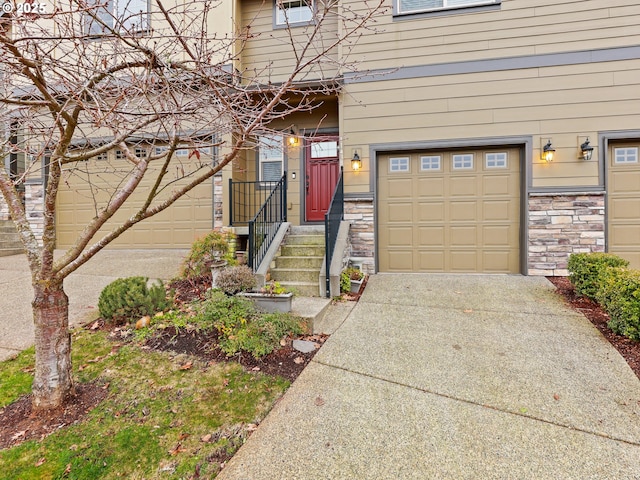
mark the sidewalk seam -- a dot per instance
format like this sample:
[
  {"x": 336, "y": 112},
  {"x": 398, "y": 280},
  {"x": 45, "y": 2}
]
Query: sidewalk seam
[{"x": 489, "y": 407}]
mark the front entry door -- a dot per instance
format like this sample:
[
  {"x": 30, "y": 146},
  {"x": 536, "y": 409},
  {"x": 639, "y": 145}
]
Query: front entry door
[{"x": 322, "y": 167}]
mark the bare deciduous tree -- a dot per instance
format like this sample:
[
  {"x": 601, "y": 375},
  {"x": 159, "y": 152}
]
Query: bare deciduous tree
[{"x": 82, "y": 81}]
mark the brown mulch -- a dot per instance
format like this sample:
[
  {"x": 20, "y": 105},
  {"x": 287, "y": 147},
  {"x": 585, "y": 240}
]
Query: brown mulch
[
  {"x": 19, "y": 424},
  {"x": 629, "y": 349}
]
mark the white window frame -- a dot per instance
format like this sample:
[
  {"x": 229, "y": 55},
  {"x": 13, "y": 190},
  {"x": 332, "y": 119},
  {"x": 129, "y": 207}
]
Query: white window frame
[
  {"x": 131, "y": 16},
  {"x": 399, "y": 164},
  {"x": 270, "y": 151},
  {"x": 625, "y": 155},
  {"x": 433, "y": 163},
  {"x": 293, "y": 12},
  {"x": 462, "y": 159},
  {"x": 444, "y": 5},
  {"x": 495, "y": 160}
]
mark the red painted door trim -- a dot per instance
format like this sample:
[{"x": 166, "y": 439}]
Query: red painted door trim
[{"x": 321, "y": 177}]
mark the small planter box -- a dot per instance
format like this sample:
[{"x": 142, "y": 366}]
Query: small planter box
[
  {"x": 356, "y": 285},
  {"x": 270, "y": 303},
  {"x": 216, "y": 268}
]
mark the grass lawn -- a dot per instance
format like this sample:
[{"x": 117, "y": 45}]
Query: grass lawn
[{"x": 166, "y": 415}]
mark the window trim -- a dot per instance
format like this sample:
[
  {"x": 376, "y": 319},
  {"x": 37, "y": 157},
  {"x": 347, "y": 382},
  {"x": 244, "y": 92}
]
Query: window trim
[
  {"x": 113, "y": 17},
  {"x": 463, "y": 168},
  {"x": 626, "y": 162},
  {"x": 301, "y": 23},
  {"x": 259, "y": 161},
  {"x": 478, "y": 6},
  {"x": 496, "y": 167},
  {"x": 408, "y": 164},
  {"x": 423, "y": 157}
]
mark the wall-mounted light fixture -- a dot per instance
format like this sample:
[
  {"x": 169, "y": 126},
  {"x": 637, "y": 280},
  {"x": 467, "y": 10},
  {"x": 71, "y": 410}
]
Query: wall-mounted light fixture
[
  {"x": 356, "y": 163},
  {"x": 548, "y": 152},
  {"x": 293, "y": 139},
  {"x": 586, "y": 150}
]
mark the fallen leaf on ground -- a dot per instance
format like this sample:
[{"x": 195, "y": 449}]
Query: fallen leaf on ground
[
  {"x": 17, "y": 435},
  {"x": 206, "y": 438},
  {"x": 468, "y": 310},
  {"x": 186, "y": 366},
  {"x": 178, "y": 448},
  {"x": 556, "y": 397},
  {"x": 95, "y": 325},
  {"x": 298, "y": 360},
  {"x": 40, "y": 462},
  {"x": 319, "y": 401},
  {"x": 67, "y": 470}
]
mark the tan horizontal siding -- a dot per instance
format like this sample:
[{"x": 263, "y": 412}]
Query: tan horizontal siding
[
  {"x": 519, "y": 27},
  {"x": 269, "y": 53},
  {"x": 541, "y": 103}
]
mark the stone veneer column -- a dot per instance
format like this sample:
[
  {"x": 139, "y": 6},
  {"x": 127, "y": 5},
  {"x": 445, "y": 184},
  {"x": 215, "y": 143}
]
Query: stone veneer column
[
  {"x": 4, "y": 210},
  {"x": 562, "y": 224},
  {"x": 359, "y": 211},
  {"x": 217, "y": 202}
]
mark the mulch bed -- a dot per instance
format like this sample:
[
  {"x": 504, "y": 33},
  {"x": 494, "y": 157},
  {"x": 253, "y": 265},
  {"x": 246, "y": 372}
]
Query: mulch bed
[{"x": 629, "y": 349}]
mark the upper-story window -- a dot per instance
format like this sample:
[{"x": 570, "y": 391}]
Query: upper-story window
[
  {"x": 418, "y": 6},
  {"x": 131, "y": 16},
  {"x": 289, "y": 12}
]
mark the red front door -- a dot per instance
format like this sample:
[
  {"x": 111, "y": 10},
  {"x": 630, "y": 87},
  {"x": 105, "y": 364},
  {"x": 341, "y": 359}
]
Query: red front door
[{"x": 322, "y": 166}]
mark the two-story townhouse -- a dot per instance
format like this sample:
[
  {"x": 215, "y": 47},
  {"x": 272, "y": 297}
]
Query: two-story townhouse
[
  {"x": 87, "y": 186},
  {"x": 479, "y": 136}
]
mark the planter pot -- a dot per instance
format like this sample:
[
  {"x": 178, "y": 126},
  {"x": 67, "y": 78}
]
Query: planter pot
[
  {"x": 270, "y": 303},
  {"x": 356, "y": 285},
  {"x": 241, "y": 257},
  {"x": 216, "y": 268}
]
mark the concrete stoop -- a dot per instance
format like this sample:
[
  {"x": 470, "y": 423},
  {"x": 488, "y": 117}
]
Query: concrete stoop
[
  {"x": 9, "y": 240},
  {"x": 312, "y": 309},
  {"x": 298, "y": 265}
]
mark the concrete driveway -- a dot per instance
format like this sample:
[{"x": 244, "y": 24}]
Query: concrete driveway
[
  {"x": 83, "y": 288},
  {"x": 454, "y": 377}
]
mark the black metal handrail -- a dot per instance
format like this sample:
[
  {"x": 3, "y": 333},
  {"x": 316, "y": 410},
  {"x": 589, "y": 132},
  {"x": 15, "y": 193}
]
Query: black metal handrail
[
  {"x": 245, "y": 198},
  {"x": 265, "y": 224},
  {"x": 332, "y": 220}
]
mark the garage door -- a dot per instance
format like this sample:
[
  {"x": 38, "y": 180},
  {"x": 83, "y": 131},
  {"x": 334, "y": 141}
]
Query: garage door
[
  {"x": 449, "y": 212},
  {"x": 89, "y": 187},
  {"x": 623, "y": 202}
]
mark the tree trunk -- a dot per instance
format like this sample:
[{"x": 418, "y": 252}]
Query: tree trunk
[{"x": 53, "y": 383}]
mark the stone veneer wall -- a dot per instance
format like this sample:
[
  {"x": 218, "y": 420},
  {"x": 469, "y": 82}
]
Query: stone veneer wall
[
  {"x": 217, "y": 202},
  {"x": 359, "y": 211},
  {"x": 34, "y": 205},
  {"x": 4, "y": 210},
  {"x": 561, "y": 224}
]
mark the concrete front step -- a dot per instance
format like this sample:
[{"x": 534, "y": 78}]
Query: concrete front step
[
  {"x": 299, "y": 262},
  {"x": 305, "y": 240},
  {"x": 303, "y": 289},
  {"x": 5, "y": 252},
  {"x": 306, "y": 230},
  {"x": 283, "y": 275},
  {"x": 302, "y": 251}
]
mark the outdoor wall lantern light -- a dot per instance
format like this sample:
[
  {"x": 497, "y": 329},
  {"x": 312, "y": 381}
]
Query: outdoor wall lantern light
[
  {"x": 293, "y": 139},
  {"x": 586, "y": 150},
  {"x": 356, "y": 163},
  {"x": 548, "y": 151}
]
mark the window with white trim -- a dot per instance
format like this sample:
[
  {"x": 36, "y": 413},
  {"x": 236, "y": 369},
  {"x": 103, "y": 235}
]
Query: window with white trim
[
  {"x": 270, "y": 158},
  {"x": 463, "y": 161},
  {"x": 418, "y": 6},
  {"x": 324, "y": 149},
  {"x": 625, "y": 155},
  {"x": 182, "y": 152},
  {"x": 430, "y": 162},
  {"x": 289, "y": 12},
  {"x": 141, "y": 152},
  {"x": 495, "y": 160},
  {"x": 399, "y": 164},
  {"x": 130, "y": 16},
  {"x": 102, "y": 157}
]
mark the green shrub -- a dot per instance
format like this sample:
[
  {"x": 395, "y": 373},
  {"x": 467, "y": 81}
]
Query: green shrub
[
  {"x": 236, "y": 279},
  {"x": 584, "y": 269},
  {"x": 348, "y": 274},
  {"x": 242, "y": 328},
  {"x": 216, "y": 245},
  {"x": 130, "y": 298},
  {"x": 619, "y": 295}
]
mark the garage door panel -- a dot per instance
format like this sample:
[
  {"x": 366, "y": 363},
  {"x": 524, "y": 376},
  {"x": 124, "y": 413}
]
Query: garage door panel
[
  {"x": 463, "y": 211},
  {"x": 626, "y": 235},
  {"x": 400, "y": 236},
  {"x": 432, "y": 261},
  {"x": 497, "y": 185},
  {"x": 460, "y": 220},
  {"x": 431, "y": 236},
  {"x": 499, "y": 210},
  {"x": 463, "y": 236},
  {"x": 625, "y": 180},
  {"x": 625, "y": 208},
  {"x": 430, "y": 187},
  {"x": 463, "y": 186},
  {"x": 431, "y": 212}
]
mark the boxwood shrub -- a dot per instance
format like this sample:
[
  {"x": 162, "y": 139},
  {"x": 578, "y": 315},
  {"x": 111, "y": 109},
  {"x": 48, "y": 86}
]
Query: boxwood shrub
[
  {"x": 585, "y": 268},
  {"x": 619, "y": 295},
  {"x": 130, "y": 298}
]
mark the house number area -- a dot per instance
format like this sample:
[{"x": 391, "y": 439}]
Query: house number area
[{"x": 24, "y": 7}]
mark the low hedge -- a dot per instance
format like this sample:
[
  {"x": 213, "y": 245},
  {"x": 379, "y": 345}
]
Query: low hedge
[
  {"x": 585, "y": 268},
  {"x": 619, "y": 295}
]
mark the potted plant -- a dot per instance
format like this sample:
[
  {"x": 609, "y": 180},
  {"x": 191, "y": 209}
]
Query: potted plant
[
  {"x": 351, "y": 280},
  {"x": 273, "y": 297}
]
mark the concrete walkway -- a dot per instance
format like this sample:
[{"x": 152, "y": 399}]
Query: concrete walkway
[
  {"x": 83, "y": 288},
  {"x": 454, "y": 377}
]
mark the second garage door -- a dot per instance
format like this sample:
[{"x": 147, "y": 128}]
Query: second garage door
[{"x": 456, "y": 211}]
